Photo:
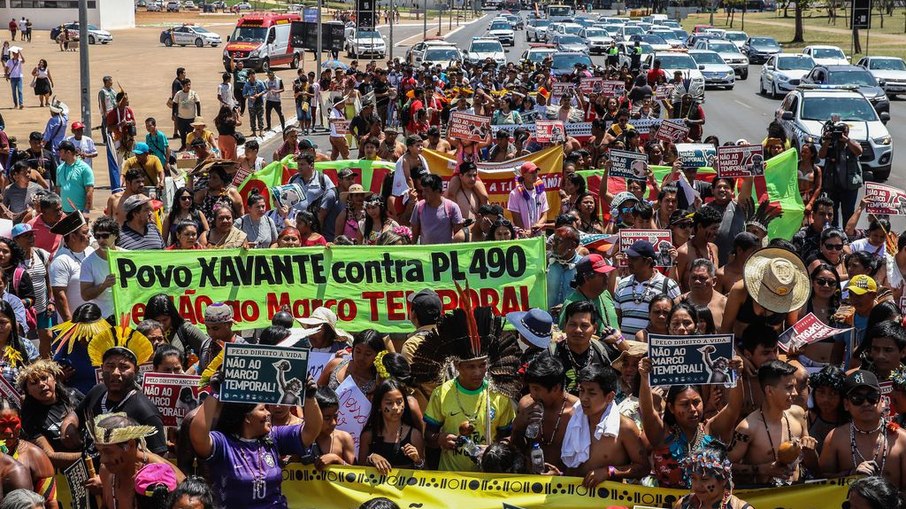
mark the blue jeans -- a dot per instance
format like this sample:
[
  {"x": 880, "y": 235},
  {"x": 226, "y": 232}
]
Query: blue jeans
[{"x": 16, "y": 85}]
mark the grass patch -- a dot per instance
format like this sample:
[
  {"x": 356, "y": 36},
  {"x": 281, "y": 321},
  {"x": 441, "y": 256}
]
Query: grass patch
[{"x": 816, "y": 29}]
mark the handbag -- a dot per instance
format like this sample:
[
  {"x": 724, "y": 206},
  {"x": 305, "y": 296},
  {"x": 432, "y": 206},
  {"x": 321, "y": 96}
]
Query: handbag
[
  {"x": 240, "y": 138},
  {"x": 34, "y": 81}
]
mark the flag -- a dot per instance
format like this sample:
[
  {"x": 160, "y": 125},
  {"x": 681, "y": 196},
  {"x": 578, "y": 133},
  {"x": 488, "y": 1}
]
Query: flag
[
  {"x": 370, "y": 174},
  {"x": 113, "y": 168},
  {"x": 781, "y": 178},
  {"x": 275, "y": 174}
]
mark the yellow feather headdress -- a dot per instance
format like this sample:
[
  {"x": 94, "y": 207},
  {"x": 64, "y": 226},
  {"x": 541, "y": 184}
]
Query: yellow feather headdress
[
  {"x": 71, "y": 333},
  {"x": 121, "y": 336},
  {"x": 110, "y": 436}
]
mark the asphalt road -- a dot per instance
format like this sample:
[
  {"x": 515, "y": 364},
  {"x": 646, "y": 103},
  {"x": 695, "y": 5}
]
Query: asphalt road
[{"x": 730, "y": 114}]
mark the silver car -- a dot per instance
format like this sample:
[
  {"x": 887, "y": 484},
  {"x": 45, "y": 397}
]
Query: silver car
[{"x": 716, "y": 72}]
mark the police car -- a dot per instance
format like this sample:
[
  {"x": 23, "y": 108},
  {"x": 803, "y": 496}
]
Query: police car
[
  {"x": 190, "y": 34},
  {"x": 804, "y": 112}
]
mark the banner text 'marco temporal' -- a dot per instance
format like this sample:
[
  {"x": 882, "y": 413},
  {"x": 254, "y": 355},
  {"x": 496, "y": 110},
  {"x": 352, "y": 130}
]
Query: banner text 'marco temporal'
[{"x": 366, "y": 286}]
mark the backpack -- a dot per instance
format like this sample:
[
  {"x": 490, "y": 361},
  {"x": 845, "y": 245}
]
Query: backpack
[
  {"x": 31, "y": 316},
  {"x": 315, "y": 205}
]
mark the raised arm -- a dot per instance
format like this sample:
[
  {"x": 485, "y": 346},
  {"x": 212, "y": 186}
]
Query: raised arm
[
  {"x": 651, "y": 418},
  {"x": 200, "y": 430}
]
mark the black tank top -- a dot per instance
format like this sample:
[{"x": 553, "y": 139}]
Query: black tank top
[{"x": 392, "y": 451}]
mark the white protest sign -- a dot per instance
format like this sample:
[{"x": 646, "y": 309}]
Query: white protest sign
[{"x": 354, "y": 410}]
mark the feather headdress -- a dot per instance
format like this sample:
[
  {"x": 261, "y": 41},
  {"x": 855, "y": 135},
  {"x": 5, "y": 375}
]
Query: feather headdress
[
  {"x": 123, "y": 337},
  {"x": 762, "y": 215},
  {"x": 120, "y": 434},
  {"x": 468, "y": 334},
  {"x": 71, "y": 333}
]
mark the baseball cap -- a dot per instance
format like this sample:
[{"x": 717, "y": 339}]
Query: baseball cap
[
  {"x": 528, "y": 167},
  {"x": 307, "y": 144},
  {"x": 345, "y": 173},
  {"x": 862, "y": 284},
  {"x": 218, "y": 312},
  {"x": 141, "y": 148},
  {"x": 426, "y": 300},
  {"x": 135, "y": 201},
  {"x": 593, "y": 263},
  {"x": 640, "y": 248},
  {"x": 21, "y": 228},
  {"x": 77, "y": 125},
  {"x": 861, "y": 378}
]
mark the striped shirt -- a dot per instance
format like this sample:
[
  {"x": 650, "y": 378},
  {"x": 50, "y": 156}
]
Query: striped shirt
[
  {"x": 632, "y": 299},
  {"x": 134, "y": 241}
]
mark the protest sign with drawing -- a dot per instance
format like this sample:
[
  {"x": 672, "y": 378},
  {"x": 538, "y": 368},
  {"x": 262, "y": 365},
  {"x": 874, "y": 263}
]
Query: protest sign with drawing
[
  {"x": 672, "y": 131},
  {"x": 263, "y": 374},
  {"x": 550, "y": 131},
  {"x": 613, "y": 88},
  {"x": 354, "y": 410},
  {"x": 808, "y": 330},
  {"x": 559, "y": 89},
  {"x": 696, "y": 155},
  {"x": 694, "y": 360},
  {"x": 885, "y": 199},
  {"x": 341, "y": 126},
  {"x": 630, "y": 165},
  {"x": 735, "y": 161},
  {"x": 591, "y": 85},
  {"x": 174, "y": 395},
  {"x": 76, "y": 476},
  {"x": 663, "y": 92},
  {"x": 287, "y": 195},
  {"x": 661, "y": 240},
  {"x": 465, "y": 126}
]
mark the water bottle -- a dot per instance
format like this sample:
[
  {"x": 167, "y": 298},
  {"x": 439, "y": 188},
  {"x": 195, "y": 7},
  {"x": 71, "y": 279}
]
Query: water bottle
[{"x": 537, "y": 458}]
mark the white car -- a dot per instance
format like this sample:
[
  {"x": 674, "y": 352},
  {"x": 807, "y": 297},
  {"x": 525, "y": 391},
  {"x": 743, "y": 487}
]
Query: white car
[
  {"x": 889, "y": 70},
  {"x": 244, "y": 6},
  {"x": 668, "y": 35},
  {"x": 729, "y": 52},
  {"x": 569, "y": 28},
  {"x": 416, "y": 53},
  {"x": 625, "y": 49},
  {"x": 597, "y": 39},
  {"x": 154, "y": 7},
  {"x": 483, "y": 48},
  {"x": 442, "y": 55},
  {"x": 783, "y": 72},
  {"x": 826, "y": 55},
  {"x": 538, "y": 52},
  {"x": 189, "y": 4},
  {"x": 190, "y": 34},
  {"x": 716, "y": 72},
  {"x": 719, "y": 32},
  {"x": 804, "y": 112},
  {"x": 627, "y": 31},
  {"x": 365, "y": 42},
  {"x": 672, "y": 61},
  {"x": 570, "y": 43},
  {"x": 737, "y": 37},
  {"x": 95, "y": 34},
  {"x": 503, "y": 32}
]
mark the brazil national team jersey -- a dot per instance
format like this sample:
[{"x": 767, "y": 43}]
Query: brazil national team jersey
[{"x": 451, "y": 404}]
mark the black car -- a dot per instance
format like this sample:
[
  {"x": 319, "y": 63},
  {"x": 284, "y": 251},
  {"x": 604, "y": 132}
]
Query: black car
[
  {"x": 850, "y": 76},
  {"x": 760, "y": 49}
]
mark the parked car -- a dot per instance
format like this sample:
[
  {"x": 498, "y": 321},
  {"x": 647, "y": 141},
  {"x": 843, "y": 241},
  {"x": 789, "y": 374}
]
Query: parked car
[
  {"x": 189, "y": 4},
  {"x": 716, "y": 72},
  {"x": 851, "y": 77},
  {"x": 361, "y": 43},
  {"x": 890, "y": 72},
  {"x": 95, "y": 34},
  {"x": 804, "y": 112},
  {"x": 783, "y": 72},
  {"x": 244, "y": 6},
  {"x": 737, "y": 37},
  {"x": 483, "y": 48},
  {"x": 173, "y": 6},
  {"x": 826, "y": 55},
  {"x": 190, "y": 34},
  {"x": 760, "y": 49},
  {"x": 153, "y": 7}
]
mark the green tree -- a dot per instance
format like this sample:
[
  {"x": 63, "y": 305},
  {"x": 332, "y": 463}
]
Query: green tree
[{"x": 798, "y": 32}]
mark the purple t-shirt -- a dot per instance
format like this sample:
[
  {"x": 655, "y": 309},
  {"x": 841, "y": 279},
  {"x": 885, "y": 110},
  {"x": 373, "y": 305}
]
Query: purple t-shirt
[
  {"x": 235, "y": 463},
  {"x": 531, "y": 209},
  {"x": 436, "y": 223}
]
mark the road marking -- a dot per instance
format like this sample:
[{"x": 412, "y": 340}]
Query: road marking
[
  {"x": 737, "y": 101},
  {"x": 404, "y": 43}
]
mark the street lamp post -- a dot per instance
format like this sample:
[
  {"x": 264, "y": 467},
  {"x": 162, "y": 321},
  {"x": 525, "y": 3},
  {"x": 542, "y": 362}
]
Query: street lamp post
[
  {"x": 425, "y": 22},
  {"x": 392, "y": 16},
  {"x": 85, "y": 75}
]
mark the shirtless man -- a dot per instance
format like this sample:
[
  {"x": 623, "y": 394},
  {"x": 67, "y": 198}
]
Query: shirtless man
[
  {"x": 888, "y": 344},
  {"x": 759, "y": 438},
  {"x": 29, "y": 455},
  {"x": 122, "y": 457},
  {"x": 880, "y": 449},
  {"x": 333, "y": 446},
  {"x": 547, "y": 404},
  {"x": 135, "y": 184},
  {"x": 705, "y": 223},
  {"x": 435, "y": 142},
  {"x": 467, "y": 197},
  {"x": 744, "y": 244},
  {"x": 13, "y": 475},
  {"x": 615, "y": 453},
  {"x": 701, "y": 294},
  {"x": 391, "y": 149}
]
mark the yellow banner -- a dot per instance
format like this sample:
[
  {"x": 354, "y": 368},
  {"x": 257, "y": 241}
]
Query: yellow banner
[
  {"x": 348, "y": 487},
  {"x": 500, "y": 178}
]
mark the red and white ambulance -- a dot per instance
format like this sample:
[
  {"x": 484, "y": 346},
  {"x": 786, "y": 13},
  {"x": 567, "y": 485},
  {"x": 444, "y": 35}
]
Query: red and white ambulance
[{"x": 261, "y": 40}]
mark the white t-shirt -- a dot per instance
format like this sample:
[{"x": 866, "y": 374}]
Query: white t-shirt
[
  {"x": 863, "y": 245},
  {"x": 225, "y": 94},
  {"x": 85, "y": 146},
  {"x": 94, "y": 270},
  {"x": 65, "y": 271}
]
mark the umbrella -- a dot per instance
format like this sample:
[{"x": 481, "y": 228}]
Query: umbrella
[{"x": 334, "y": 64}]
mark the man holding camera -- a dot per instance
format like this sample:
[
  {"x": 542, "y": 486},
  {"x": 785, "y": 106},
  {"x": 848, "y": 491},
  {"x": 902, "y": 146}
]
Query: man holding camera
[{"x": 842, "y": 171}]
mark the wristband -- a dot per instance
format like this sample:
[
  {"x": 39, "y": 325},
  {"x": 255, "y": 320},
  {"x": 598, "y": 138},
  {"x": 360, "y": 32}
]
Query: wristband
[
  {"x": 611, "y": 471},
  {"x": 420, "y": 464}
]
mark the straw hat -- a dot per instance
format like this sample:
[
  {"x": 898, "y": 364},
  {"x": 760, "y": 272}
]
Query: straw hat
[
  {"x": 777, "y": 279},
  {"x": 199, "y": 121},
  {"x": 636, "y": 349},
  {"x": 324, "y": 316},
  {"x": 353, "y": 189}
]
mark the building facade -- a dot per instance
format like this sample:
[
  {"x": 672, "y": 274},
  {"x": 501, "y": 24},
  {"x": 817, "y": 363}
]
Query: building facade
[{"x": 46, "y": 14}]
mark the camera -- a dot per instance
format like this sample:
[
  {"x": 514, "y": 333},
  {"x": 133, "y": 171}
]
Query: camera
[{"x": 833, "y": 130}]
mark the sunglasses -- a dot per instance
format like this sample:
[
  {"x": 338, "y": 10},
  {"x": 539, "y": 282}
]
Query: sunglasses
[
  {"x": 825, "y": 282},
  {"x": 858, "y": 399},
  {"x": 833, "y": 247},
  {"x": 185, "y": 198}
]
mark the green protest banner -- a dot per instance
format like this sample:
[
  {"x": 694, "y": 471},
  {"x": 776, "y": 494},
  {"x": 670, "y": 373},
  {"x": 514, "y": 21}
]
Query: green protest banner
[
  {"x": 263, "y": 374},
  {"x": 366, "y": 286}
]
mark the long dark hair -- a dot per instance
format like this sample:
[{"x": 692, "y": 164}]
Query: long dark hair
[
  {"x": 376, "y": 419},
  {"x": 14, "y": 341},
  {"x": 676, "y": 390},
  {"x": 232, "y": 415},
  {"x": 369, "y": 223},
  {"x": 16, "y": 255},
  {"x": 175, "y": 209},
  {"x": 835, "y": 300},
  {"x": 161, "y": 304}
]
